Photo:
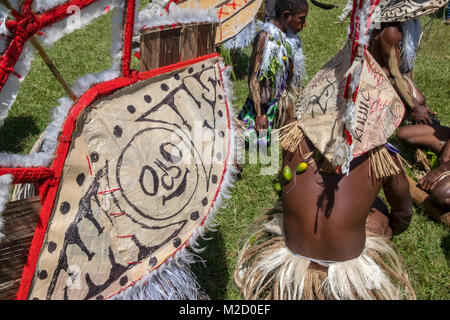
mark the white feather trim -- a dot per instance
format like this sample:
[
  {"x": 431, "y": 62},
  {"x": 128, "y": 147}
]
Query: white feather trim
[
  {"x": 244, "y": 38},
  {"x": 346, "y": 11},
  {"x": 79, "y": 19},
  {"x": 173, "y": 282},
  {"x": 5, "y": 184},
  {"x": 43, "y": 5},
  {"x": 9, "y": 92},
  {"x": 410, "y": 44}
]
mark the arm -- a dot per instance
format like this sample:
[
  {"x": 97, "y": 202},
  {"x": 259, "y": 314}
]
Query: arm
[
  {"x": 396, "y": 189},
  {"x": 404, "y": 84},
  {"x": 255, "y": 89}
]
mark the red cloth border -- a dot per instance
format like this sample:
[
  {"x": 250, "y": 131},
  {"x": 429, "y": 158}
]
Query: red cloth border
[
  {"x": 27, "y": 175},
  {"x": 50, "y": 187},
  {"x": 128, "y": 39}
]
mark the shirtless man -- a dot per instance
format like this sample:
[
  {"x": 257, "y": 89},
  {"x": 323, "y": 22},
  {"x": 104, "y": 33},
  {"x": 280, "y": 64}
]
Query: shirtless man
[
  {"x": 385, "y": 48},
  {"x": 322, "y": 220},
  {"x": 437, "y": 138},
  {"x": 324, "y": 243}
]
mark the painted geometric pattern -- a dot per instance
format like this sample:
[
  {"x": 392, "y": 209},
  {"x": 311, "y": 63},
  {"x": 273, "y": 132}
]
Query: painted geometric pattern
[{"x": 144, "y": 169}]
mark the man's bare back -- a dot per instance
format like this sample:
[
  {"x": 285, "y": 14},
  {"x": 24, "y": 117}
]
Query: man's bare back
[{"x": 325, "y": 215}]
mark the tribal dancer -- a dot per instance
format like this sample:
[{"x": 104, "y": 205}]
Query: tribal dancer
[
  {"x": 327, "y": 239},
  {"x": 276, "y": 70},
  {"x": 394, "y": 44}
]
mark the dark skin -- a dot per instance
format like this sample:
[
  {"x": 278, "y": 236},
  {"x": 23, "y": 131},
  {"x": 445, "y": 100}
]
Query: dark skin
[
  {"x": 325, "y": 220},
  {"x": 380, "y": 47},
  {"x": 432, "y": 136},
  {"x": 294, "y": 21}
]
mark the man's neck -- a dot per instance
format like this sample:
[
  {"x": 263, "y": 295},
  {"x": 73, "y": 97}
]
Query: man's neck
[{"x": 279, "y": 25}]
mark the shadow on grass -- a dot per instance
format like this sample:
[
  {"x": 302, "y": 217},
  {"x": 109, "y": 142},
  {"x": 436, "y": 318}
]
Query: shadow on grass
[
  {"x": 213, "y": 275},
  {"x": 14, "y": 132}
]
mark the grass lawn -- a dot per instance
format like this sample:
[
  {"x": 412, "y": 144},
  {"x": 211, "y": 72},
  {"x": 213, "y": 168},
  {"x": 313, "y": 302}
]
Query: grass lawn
[{"x": 425, "y": 245}]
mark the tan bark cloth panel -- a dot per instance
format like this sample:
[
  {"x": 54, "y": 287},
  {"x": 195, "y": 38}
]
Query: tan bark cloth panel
[
  {"x": 403, "y": 10},
  {"x": 378, "y": 108},
  {"x": 234, "y": 15},
  {"x": 157, "y": 151}
]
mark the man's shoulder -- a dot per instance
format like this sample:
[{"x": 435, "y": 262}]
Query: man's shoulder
[{"x": 392, "y": 34}]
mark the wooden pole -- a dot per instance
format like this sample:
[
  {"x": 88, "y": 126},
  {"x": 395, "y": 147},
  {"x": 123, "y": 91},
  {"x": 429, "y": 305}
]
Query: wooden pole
[
  {"x": 423, "y": 199},
  {"x": 35, "y": 42},
  {"x": 37, "y": 45}
]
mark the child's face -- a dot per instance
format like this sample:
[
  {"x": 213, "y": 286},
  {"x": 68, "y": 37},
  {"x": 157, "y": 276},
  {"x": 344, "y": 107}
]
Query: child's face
[{"x": 295, "y": 22}]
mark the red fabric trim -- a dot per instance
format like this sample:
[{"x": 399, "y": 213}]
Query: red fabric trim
[
  {"x": 170, "y": 2},
  {"x": 128, "y": 38},
  {"x": 50, "y": 187},
  {"x": 27, "y": 175}
]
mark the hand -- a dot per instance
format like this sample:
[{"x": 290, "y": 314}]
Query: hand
[
  {"x": 428, "y": 182},
  {"x": 261, "y": 122},
  {"x": 421, "y": 114}
]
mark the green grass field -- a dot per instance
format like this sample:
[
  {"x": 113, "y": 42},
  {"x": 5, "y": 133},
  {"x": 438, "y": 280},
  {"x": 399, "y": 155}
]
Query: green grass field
[{"x": 425, "y": 245}]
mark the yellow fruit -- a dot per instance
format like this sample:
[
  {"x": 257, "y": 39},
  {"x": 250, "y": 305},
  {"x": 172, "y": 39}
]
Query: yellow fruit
[
  {"x": 287, "y": 173},
  {"x": 302, "y": 166},
  {"x": 277, "y": 187},
  {"x": 284, "y": 58}
]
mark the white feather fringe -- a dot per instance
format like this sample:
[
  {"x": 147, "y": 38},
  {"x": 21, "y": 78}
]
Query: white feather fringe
[
  {"x": 173, "y": 282},
  {"x": 346, "y": 11},
  {"x": 5, "y": 185},
  {"x": 244, "y": 38},
  {"x": 9, "y": 92},
  {"x": 42, "y": 5},
  {"x": 410, "y": 44},
  {"x": 78, "y": 20}
]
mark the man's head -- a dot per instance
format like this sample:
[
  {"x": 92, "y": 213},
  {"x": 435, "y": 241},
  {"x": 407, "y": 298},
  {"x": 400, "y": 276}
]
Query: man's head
[{"x": 292, "y": 14}]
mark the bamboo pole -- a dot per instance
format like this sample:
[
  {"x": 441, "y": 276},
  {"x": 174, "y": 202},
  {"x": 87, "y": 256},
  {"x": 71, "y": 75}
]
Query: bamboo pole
[{"x": 37, "y": 45}]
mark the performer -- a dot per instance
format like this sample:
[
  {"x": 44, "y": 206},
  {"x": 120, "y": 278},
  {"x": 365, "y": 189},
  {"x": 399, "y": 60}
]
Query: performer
[
  {"x": 394, "y": 44},
  {"x": 328, "y": 238},
  {"x": 437, "y": 138},
  {"x": 276, "y": 70},
  {"x": 323, "y": 242}
]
